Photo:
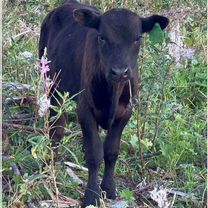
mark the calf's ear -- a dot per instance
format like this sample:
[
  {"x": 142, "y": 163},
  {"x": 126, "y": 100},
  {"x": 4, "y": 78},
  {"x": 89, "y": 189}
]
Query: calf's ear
[
  {"x": 86, "y": 17},
  {"x": 149, "y": 22}
]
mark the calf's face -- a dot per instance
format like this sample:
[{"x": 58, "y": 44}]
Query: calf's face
[
  {"x": 119, "y": 34},
  {"x": 119, "y": 38}
]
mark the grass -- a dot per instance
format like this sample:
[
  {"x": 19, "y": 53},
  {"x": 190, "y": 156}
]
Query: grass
[{"x": 168, "y": 130}]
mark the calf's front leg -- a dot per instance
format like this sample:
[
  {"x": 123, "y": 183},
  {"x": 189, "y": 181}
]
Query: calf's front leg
[
  {"x": 111, "y": 151},
  {"x": 93, "y": 155}
]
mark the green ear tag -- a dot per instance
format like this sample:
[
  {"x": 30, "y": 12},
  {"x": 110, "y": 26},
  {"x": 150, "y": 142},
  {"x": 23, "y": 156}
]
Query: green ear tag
[{"x": 156, "y": 35}]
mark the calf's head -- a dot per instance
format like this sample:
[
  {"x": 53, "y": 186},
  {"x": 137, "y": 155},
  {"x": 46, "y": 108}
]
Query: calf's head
[{"x": 119, "y": 33}]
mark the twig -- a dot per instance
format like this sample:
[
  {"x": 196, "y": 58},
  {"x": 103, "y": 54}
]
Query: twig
[
  {"x": 20, "y": 117},
  {"x": 149, "y": 185},
  {"x": 22, "y": 128},
  {"x": 7, "y": 185},
  {"x": 75, "y": 166},
  {"x": 73, "y": 176},
  {"x": 17, "y": 86},
  {"x": 138, "y": 191},
  {"x": 69, "y": 200},
  {"x": 21, "y": 34},
  {"x": 53, "y": 172},
  {"x": 62, "y": 200},
  {"x": 28, "y": 129},
  {"x": 62, "y": 204},
  {"x": 145, "y": 118},
  {"x": 180, "y": 193},
  {"x": 15, "y": 169},
  {"x": 20, "y": 100},
  {"x": 139, "y": 110}
]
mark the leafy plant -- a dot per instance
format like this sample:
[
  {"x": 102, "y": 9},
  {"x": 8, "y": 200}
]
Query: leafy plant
[{"x": 126, "y": 194}]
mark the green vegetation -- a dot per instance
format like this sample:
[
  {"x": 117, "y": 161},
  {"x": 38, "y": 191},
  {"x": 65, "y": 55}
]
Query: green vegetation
[{"x": 164, "y": 144}]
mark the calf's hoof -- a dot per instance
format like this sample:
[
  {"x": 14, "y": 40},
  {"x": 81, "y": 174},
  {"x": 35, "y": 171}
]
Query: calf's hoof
[
  {"x": 110, "y": 188},
  {"x": 92, "y": 197}
]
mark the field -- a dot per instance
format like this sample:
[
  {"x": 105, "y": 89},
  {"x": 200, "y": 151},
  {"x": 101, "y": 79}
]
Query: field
[{"x": 163, "y": 148}]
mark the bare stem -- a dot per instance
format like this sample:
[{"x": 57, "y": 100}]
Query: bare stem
[
  {"x": 159, "y": 109},
  {"x": 139, "y": 108},
  {"x": 22, "y": 128}
]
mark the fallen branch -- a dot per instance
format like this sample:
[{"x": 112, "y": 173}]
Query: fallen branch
[
  {"x": 21, "y": 34},
  {"x": 140, "y": 190},
  {"x": 69, "y": 200},
  {"x": 20, "y": 118},
  {"x": 63, "y": 201},
  {"x": 22, "y": 128},
  {"x": 17, "y": 86},
  {"x": 62, "y": 204},
  {"x": 73, "y": 176},
  {"x": 181, "y": 194},
  {"x": 75, "y": 166},
  {"x": 28, "y": 129},
  {"x": 21, "y": 100}
]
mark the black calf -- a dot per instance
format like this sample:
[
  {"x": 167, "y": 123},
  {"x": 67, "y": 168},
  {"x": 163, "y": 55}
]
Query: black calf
[{"x": 96, "y": 53}]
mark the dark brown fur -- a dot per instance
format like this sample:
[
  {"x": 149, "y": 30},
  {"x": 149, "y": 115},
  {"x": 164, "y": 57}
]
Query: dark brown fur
[{"x": 96, "y": 53}]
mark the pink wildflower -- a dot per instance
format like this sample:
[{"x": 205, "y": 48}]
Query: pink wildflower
[
  {"x": 44, "y": 100},
  {"x": 44, "y": 67}
]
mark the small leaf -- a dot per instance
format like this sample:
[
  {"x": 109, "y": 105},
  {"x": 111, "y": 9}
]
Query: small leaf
[
  {"x": 156, "y": 35},
  {"x": 126, "y": 194}
]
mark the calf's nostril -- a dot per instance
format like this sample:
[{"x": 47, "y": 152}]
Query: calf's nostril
[
  {"x": 114, "y": 71},
  {"x": 123, "y": 72}
]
